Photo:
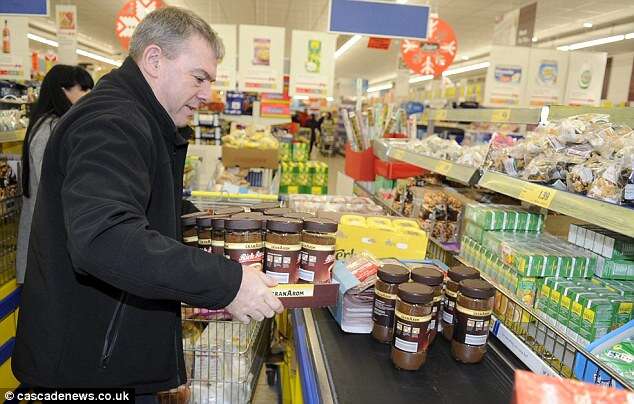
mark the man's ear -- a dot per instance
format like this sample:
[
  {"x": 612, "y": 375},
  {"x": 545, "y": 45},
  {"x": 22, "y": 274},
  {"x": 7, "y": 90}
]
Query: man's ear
[{"x": 151, "y": 60}]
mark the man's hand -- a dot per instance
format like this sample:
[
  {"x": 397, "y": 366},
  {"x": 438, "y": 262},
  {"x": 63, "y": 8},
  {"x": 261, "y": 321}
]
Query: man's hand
[{"x": 254, "y": 299}]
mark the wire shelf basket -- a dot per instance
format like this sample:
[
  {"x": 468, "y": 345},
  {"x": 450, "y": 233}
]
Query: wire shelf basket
[{"x": 222, "y": 358}]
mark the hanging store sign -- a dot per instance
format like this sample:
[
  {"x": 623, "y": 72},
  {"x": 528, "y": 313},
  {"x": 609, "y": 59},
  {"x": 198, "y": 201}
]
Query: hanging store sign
[
  {"x": 435, "y": 55},
  {"x": 130, "y": 16},
  {"x": 66, "y": 22},
  {"x": 226, "y": 70},
  {"x": 15, "y": 57},
  {"x": 312, "y": 64},
  {"x": 379, "y": 18},
  {"x": 261, "y": 64},
  {"x": 586, "y": 71},
  {"x": 379, "y": 43},
  {"x": 507, "y": 74},
  {"x": 546, "y": 82},
  {"x": 25, "y": 7}
]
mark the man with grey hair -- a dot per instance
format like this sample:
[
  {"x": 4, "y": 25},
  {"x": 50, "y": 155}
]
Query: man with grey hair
[{"x": 106, "y": 272}]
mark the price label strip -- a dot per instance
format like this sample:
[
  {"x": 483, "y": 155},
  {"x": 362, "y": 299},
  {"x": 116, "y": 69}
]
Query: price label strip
[
  {"x": 443, "y": 167},
  {"x": 440, "y": 115},
  {"x": 537, "y": 195},
  {"x": 501, "y": 115}
]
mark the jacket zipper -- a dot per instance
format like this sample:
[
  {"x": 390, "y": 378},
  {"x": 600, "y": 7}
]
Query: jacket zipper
[{"x": 113, "y": 332}]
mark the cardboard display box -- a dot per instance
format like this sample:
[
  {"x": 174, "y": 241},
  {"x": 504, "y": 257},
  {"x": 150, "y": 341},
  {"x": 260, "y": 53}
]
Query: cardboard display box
[
  {"x": 302, "y": 295},
  {"x": 250, "y": 158}
]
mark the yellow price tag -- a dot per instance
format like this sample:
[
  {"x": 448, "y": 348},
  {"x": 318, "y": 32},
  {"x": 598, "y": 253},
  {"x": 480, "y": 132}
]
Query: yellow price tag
[
  {"x": 440, "y": 115},
  {"x": 316, "y": 190},
  {"x": 501, "y": 115},
  {"x": 293, "y": 189},
  {"x": 443, "y": 167},
  {"x": 538, "y": 195}
]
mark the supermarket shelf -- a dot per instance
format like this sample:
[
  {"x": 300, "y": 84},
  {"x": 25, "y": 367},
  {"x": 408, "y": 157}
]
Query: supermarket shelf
[
  {"x": 620, "y": 115},
  {"x": 12, "y": 136},
  {"x": 360, "y": 190},
  {"x": 613, "y": 217},
  {"x": 511, "y": 115},
  {"x": 540, "y": 346},
  {"x": 463, "y": 174},
  {"x": 250, "y": 120}
]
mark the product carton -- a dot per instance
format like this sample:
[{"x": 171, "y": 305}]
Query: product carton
[{"x": 250, "y": 158}]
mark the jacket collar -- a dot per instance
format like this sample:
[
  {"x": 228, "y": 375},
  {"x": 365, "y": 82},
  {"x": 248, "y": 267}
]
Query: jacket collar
[{"x": 142, "y": 92}]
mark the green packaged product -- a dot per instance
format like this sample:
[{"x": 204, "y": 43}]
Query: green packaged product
[
  {"x": 300, "y": 151},
  {"x": 597, "y": 318},
  {"x": 620, "y": 358},
  {"x": 614, "y": 268},
  {"x": 563, "y": 310},
  {"x": 621, "y": 311},
  {"x": 286, "y": 151},
  {"x": 287, "y": 176},
  {"x": 576, "y": 310}
]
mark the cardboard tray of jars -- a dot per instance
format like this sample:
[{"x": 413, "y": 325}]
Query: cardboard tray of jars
[{"x": 541, "y": 347}]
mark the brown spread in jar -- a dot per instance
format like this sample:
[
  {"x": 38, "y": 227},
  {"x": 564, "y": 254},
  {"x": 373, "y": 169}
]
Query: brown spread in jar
[
  {"x": 433, "y": 278},
  {"x": 318, "y": 250},
  {"x": 282, "y": 248},
  {"x": 299, "y": 215},
  {"x": 474, "y": 306},
  {"x": 411, "y": 331},
  {"x": 454, "y": 276},
  {"x": 243, "y": 242},
  {"x": 389, "y": 276},
  {"x": 188, "y": 223},
  {"x": 277, "y": 211},
  {"x": 203, "y": 226}
]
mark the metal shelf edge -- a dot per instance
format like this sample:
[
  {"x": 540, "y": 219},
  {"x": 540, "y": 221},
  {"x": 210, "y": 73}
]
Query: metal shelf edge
[
  {"x": 464, "y": 174},
  {"x": 607, "y": 215}
]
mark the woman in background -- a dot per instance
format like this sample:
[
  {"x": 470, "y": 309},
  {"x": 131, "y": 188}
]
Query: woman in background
[{"x": 62, "y": 86}]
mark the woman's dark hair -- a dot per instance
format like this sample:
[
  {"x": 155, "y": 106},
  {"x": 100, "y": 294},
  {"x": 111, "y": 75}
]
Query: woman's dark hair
[{"x": 51, "y": 102}]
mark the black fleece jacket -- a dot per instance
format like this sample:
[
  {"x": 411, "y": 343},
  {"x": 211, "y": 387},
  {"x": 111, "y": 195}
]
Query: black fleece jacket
[{"x": 106, "y": 272}]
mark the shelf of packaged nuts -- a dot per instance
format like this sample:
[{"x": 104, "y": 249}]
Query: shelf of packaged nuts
[
  {"x": 511, "y": 115},
  {"x": 609, "y": 216},
  {"x": 541, "y": 347}
]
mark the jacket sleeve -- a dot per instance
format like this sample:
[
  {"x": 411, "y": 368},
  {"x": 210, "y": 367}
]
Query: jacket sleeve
[{"x": 108, "y": 167}]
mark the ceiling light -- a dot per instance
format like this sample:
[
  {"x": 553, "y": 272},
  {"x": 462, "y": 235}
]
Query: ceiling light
[
  {"x": 380, "y": 87},
  {"x": 418, "y": 79},
  {"x": 80, "y": 52},
  {"x": 587, "y": 25},
  {"x": 43, "y": 40},
  {"x": 534, "y": 39},
  {"x": 465, "y": 69},
  {"x": 349, "y": 43},
  {"x": 465, "y": 58},
  {"x": 300, "y": 97},
  {"x": 594, "y": 42},
  {"x": 97, "y": 57},
  {"x": 330, "y": 99},
  {"x": 401, "y": 1},
  {"x": 630, "y": 35}
]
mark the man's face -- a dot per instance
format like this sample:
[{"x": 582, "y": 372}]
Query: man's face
[{"x": 185, "y": 81}]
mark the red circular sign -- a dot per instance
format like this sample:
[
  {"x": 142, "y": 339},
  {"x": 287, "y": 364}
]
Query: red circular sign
[
  {"x": 434, "y": 56},
  {"x": 129, "y": 17}
]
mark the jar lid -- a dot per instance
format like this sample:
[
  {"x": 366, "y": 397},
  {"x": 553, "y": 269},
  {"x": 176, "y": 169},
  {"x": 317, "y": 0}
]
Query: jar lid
[
  {"x": 300, "y": 215},
  {"x": 476, "y": 288},
  {"x": 231, "y": 210},
  {"x": 393, "y": 273},
  {"x": 284, "y": 225},
  {"x": 203, "y": 221},
  {"x": 261, "y": 207},
  {"x": 462, "y": 272},
  {"x": 242, "y": 224},
  {"x": 413, "y": 292},
  {"x": 190, "y": 218},
  {"x": 248, "y": 215},
  {"x": 277, "y": 211},
  {"x": 218, "y": 222},
  {"x": 427, "y": 276},
  {"x": 320, "y": 225}
]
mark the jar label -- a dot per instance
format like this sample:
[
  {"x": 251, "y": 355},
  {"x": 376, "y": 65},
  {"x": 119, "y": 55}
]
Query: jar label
[
  {"x": 243, "y": 246},
  {"x": 450, "y": 293},
  {"x": 471, "y": 326},
  {"x": 437, "y": 298},
  {"x": 318, "y": 247},
  {"x": 281, "y": 261},
  {"x": 307, "y": 276},
  {"x": 204, "y": 241},
  {"x": 383, "y": 308},
  {"x": 447, "y": 317},
  {"x": 283, "y": 247},
  {"x": 410, "y": 334},
  {"x": 218, "y": 249},
  {"x": 249, "y": 254},
  {"x": 216, "y": 243},
  {"x": 190, "y": 239},
  {"x": 320, "y": 262},
  {"x": 280, "y": 277}
]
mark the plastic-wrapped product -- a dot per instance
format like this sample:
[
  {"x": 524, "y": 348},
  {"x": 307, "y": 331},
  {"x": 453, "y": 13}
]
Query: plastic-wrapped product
[{"x": 609, "y": 184}]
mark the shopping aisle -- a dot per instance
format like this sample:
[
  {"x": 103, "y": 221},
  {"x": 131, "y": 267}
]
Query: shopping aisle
[{"x": 336, "y": 164}]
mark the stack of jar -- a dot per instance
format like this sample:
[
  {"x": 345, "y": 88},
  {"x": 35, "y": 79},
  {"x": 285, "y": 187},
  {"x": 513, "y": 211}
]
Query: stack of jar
[
  {"x": 291, "y": 247},
  {"x": 408, "y": 310}
]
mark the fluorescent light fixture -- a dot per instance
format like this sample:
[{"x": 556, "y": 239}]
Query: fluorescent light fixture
[
  {"x": 80, "y": 52},
  {"x": 630, "y": 35},
  {"x": 330, "y": 99},
  {"x": 587, "y": 25},
  {"x": 465, "y": 69},
  {"x": 380, "y": 87},
  {"x": 465, "y": 57},
  {"x": 100, "y": 58},
  {"x": 418, "y": 79},
  {"x": 349, "y": 43},
  {"x": 43, "y": 40},
  {"x": 534, "y": 39},
  {"x": 300, "y": 97},
  {"x": 401, "y": 1},
  {"x": 594, "y": 42}
]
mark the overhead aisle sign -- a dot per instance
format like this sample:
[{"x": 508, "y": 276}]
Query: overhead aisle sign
[
  {"x": 506, "y": 76},
  {"x": 379, "y": 18},
  {"x": 25, "y": 7},
  {"x": 312, "y": 64},
  {"x": 547, "y": 72},
  {"x": 586, "y": 71},
  {"x": 261, "y": 64},
  {"x": 66, "y": 22},
  {"x": 226, "y": 70}
]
